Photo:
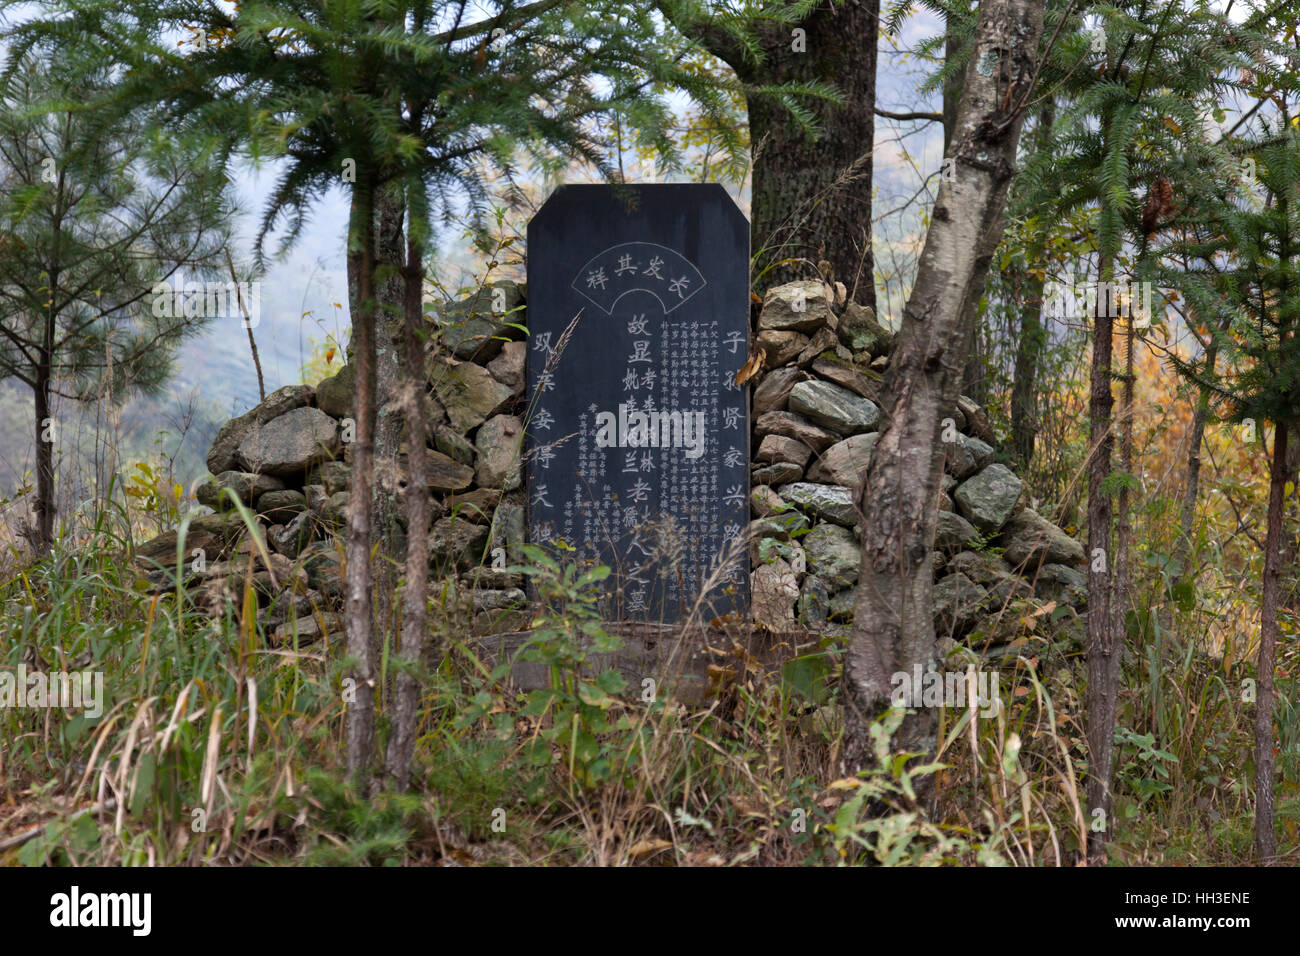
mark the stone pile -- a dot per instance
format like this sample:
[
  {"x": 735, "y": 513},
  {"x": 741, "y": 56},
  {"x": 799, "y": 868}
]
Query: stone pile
[
  {"x": 816, "y": 419},
  {"x": 288, "y": 460},
  {"x": 816, "y": 415}
]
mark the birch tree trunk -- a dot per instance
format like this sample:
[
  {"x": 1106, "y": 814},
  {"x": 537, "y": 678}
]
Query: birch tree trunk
[{"x": 893, "y": 628}]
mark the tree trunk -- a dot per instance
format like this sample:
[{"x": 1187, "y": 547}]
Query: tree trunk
[
  {"x": 42, "y": 536},
  {"x": 1104, "y": 651},
  {"x": 810, "y": 196},
  {"x": 893, "y": 629},
  {"x": 401, "y": 746},
  {"x": 360, "y": 623},
  {"x": 1279, "y": 475},
  {"x": 1029, "y": 352}
]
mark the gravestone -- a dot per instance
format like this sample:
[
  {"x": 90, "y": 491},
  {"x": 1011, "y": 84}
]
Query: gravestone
[{"x": 637, "y": 440}]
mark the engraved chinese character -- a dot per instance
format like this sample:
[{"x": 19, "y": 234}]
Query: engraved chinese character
[
  {"x": 641, "y": 490},
  {"x": 679, "y": 286},
  {"x": 641, "y": 353},
  {"x": 624, "y": 265},
  {"x": 731, "y": 418},
  {"x": 630, "y": 380},
  {"x": 543, "y": 419},
  {"x": 653, "y": 269},
  {"x": 545, "y": 455},
  {"x": 734, "y": 496},
  {"x": 637, "y": 325},
  {"x": 596, "y": 278},
  {"x": 542, "y": 343},
  {"x": 539, "y": 497},
  {"x": 733, "y": 457}
]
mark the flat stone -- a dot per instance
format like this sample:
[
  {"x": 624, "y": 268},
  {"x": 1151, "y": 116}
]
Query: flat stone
[
  {"x": 508, "y": 528},
  {"x": 289, "y": 539},
  {"x": 860, "y": 332},
  {"x": 309, "y": 629},
  {"x": 782, "y": 473},
  {"x": 508, "y": 367},
  {"x": 790, "y": 425},
  {"x": 467, "y": 391},
  {"x": 1063, "y": 584},
  {"x": 476, "y": 506},
  {"x": 831, "y": 502},
  {"x": 456, "y": 542},
  {"x": 763, "y": 501},
  {"x": 334, "y": 475},
  {"x": 780, "y": 347},
  {"x": 444, "y": 474},
  {"x": 280, "y": 506},
  {"x": 989, "y": 498},
  {"x": 494, "y": 579},
  {"x": 484, "y": 600},
  {"x": 224, "y": 455},
  {"x": 773, "y": 592},
  {"x": 289, "y": 605},
  {"x": 834, "y": 555},
  {"x": 957, "y": 604},
  {"x": 845, "y": 462},
  {"x": 776, "y": 448},
  {"x": 1030, "y": 540},
  {"x": 801, "y": 306},
  {"x": 834, "y": 407},
  {"x": 952, "y": 532},
  {"x": 965, "y": 456},
  {"x": 498, "y": 443},
  {"x": 773, "y": 391},
  {"x": 977, "y": 422},
  {"x": 822, "y": 342},
  {"x": 814, "y": 600},
  {"x": 291, "y": 443},
  {"x": 847, "y": 375},
  {"x": 212, "y": 533},
  {"x": 474, "y": 327},
  {"x": 336, "y": 395},
  {"x": 246, "y": 485},
  {"x": 453, "y": 445}
]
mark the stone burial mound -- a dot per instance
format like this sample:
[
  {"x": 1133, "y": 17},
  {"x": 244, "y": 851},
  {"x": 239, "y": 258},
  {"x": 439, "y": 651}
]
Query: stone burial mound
[{"x": 1001, "y": 568}]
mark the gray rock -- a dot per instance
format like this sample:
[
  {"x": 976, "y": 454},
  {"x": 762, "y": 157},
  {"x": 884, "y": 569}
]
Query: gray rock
[
  {"x": 1031, "y": 540},
  {"x": 498, "y": 442},
  {"x": 767, "y": 550},
  {"x": 847, "y": 375},
  {"x": 773, "y": 391},
  {"x": 776, "y": 448},
  {"x": 292, "y": 443},
  {"x": 336, "y": 395},
  {"x": 444, "y": 474},
  {"x": 989, "y": 498},
  {"x": 952, "y": 532},
  {"x": 773, "y": 591},
  {"x": 782, "y": 473},
  {"x": 224, "y": 455},
  {"x": 977, "y": 422},
  {"x": 957, "y": 604},
  {"x": 781, "y": 347},
  {"x": 801, "y": 306},
  {"x": 860, "y": 331},
  {"x": 316, "y": 496},
  {"x": 334, "y": 475},
  {"x": 780, "y": 526},
  {"x": 764, "y": 501},
  {"x": 493, "y": 579},
  {"x": 477, "y": 505},
  {"x": 334, "y": 512},
  {"x": 508, "y": 527},
  {"x": 289, "y": 539},
  {"x": 247, "y": 486},
  {"x": 965, "y": 456},
  {"x": 453, "y": 445},
  {"x": 309, "y": 629},
  {"x": 832, "y": 502},
  {"x": 323, "y": 563},
  {"x": 790, "y": 425},
  {"x": 814, "y": 601},
  {"x": 833, "y": 407},
  {"x": 289, "y": 605},
  {"x": 845, "y": 462},
  {"x": 508, "y": 367},
  {"x": 467, "y": 391},
  {"x": 455, "y": 542},
  {"x": 484, "y": 600},
  {"x": 280, "y": 506},
  {"x": 1063, "y": 584},
  {"x": 834, "y": 555},
  {"x": 841, "y": 606},
  {"x": 822, "y": 343},
  {"x": 990, "y": 572},
  {"x": 473, "y": 328}
]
